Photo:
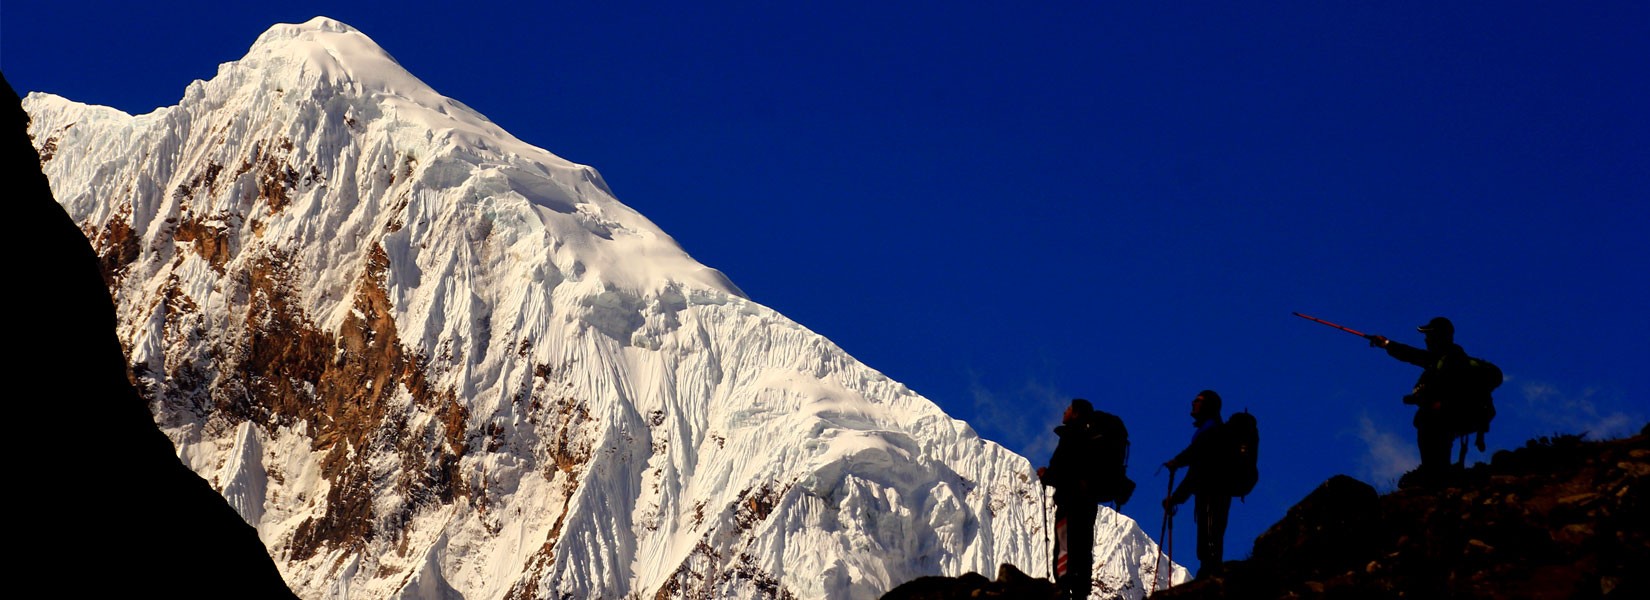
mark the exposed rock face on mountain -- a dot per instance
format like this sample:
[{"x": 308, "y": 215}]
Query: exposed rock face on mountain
[
  {"x": 113, "y": 512},
  {"x": 425, "y": 359},
  {"x": 1558, "y": 518}
]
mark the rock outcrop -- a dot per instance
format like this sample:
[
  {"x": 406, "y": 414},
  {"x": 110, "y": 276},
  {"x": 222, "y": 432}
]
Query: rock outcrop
[
  {"x": 1562, "y": 517},
  {"x": 1011, "y": 582}
]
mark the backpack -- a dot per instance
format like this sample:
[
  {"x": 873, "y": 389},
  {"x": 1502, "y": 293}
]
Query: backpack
[
  {"x": 1238, "y": 466},
  {"x": 1471, "y": 408},
  {"x": 1106, "y": 459}
]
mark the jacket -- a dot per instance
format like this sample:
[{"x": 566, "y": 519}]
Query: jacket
[
  {"x": 1199, "y": 460},
  {"x": 1441, "y": 381},
  {"x": 1072, "y": 471}
]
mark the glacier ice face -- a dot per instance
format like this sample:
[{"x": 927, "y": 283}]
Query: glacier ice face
[{"x": 426, "y": 359}]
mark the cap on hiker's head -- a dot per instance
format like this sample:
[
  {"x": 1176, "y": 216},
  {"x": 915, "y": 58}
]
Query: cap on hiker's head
[
  {"x": 1082, "y": 406},
  {"x": 1439, "y": 325}
]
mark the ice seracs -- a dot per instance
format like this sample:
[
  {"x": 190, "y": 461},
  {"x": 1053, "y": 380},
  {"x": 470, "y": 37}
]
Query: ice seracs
[{"x": 427, "y": 359}]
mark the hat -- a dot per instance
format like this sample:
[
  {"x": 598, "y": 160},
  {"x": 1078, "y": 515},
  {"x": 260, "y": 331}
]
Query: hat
[
  {"x": 1438, "y": 324},
  {"x": 1083, "y": 407}
]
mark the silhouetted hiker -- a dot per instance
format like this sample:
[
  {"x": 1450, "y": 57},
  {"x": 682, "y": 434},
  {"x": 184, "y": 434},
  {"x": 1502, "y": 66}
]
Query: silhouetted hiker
[
  {"x": 1201, "y": 459},
  {"x": 1088, "y": 467},
  {"x": 1451, "y": 398}
]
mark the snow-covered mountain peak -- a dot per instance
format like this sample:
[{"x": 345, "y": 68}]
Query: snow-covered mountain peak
[
  {"x": 331, "y": 50},
  {"x": 328, "y": 61},
  {"x": 426, "y": 359},
  {"x": 318, "y": 23},
  {"x": 328, "y": 67}
]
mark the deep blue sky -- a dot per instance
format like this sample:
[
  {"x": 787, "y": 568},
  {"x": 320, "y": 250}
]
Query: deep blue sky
[{"x": 1004, "y": 207}]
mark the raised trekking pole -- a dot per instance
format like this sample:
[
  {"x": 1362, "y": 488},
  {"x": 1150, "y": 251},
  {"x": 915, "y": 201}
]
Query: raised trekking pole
[
  {"x": 1323, "y": 322},
  {"x": 1164, "y": 539}
]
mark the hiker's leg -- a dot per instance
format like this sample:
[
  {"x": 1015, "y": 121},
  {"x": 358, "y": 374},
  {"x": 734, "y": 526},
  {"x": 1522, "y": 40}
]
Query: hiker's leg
[
  {"x": 1202, "y": 513},
  {"x": 1220, "y": 507},
  {"x": 1435, "y": 445},
  {"x": 1063, "y": 550},
  {"x": 1080, "y": 532}
]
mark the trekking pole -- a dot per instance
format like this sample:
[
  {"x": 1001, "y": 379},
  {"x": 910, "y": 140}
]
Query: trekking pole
[
  {"x": 1164, "y": 538},
  {"x": 1169, "y": 553},
  {"x": 1323, "y": 322},
  {"x": 1048, "y": 540}
]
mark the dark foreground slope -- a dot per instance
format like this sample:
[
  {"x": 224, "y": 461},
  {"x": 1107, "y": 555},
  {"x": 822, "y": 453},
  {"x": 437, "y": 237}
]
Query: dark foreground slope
[
  {"x": 101, "y": 504},
  {"x": 1559, "y": 518}
]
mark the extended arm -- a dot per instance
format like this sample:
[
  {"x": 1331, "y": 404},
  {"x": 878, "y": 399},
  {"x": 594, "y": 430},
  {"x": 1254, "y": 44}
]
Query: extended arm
[{"x": 1401, "y": 351}]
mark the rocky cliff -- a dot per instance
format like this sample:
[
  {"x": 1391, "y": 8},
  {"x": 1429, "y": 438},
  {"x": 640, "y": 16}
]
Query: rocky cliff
[{"x": 1562, "y": 517}]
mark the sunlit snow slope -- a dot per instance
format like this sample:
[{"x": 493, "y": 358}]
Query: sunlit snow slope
[{"x": 428, "y": 360}]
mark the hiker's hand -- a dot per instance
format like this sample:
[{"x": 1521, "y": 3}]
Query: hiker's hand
[
  {"x": 1376, "y": 341},
  {"x": 1171, "y": 466},
  {"x": 1169, "y": 506},
  {"x": 1041, "y": 472}
]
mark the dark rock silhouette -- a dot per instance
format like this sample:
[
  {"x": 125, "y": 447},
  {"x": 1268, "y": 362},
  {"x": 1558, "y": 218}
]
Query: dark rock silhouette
[
  {"x": 1332, "y": 524},
  {"x": 107, "y": 508},
  {"x": 1010, "y": 583},
  {"x": 1561, "y": 517}
]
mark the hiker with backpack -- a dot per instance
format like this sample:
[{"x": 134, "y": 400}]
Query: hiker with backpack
[
  {"x": 1451, "y": 398},
  {"x": 1088, "y": 467},
  {"x": 1220, "y": 463}
]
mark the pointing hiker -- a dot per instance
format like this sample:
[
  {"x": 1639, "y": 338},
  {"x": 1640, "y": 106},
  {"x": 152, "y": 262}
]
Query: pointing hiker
[
  {"x": 1213, "y": 504},
  {"x": 1088, "y": 467},
  {"x": 1448, "y": 402}
]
